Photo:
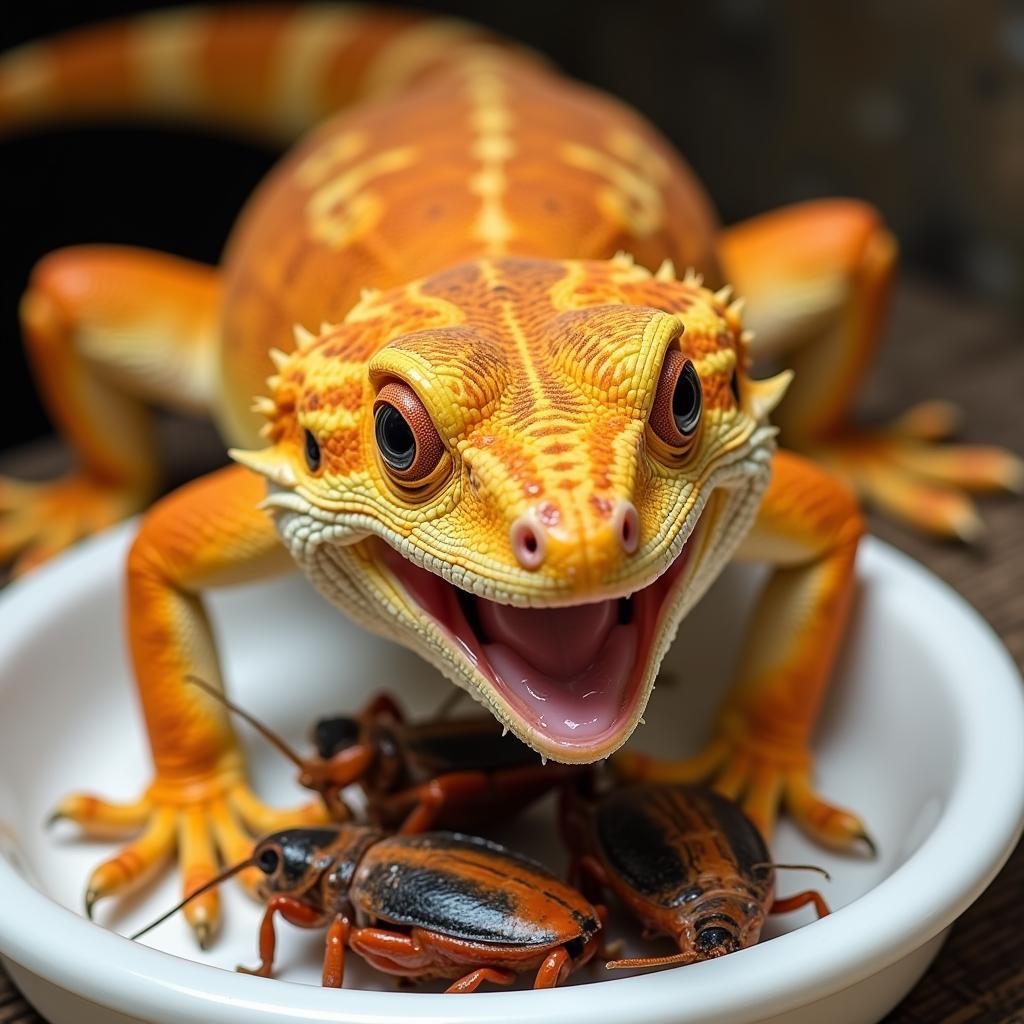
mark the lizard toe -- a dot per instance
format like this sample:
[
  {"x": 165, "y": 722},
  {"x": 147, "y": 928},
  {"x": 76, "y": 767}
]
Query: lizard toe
[
  {"x": 210, "y": 824},
  {"x": 907, "y": 473},
  {"x": 261, "y": 818},
  {"x": 824, "y": 822},
  {"x": 39, "y": 520}
]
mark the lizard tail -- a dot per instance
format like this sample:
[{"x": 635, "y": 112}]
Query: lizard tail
[{"x": 267, "y": 71}]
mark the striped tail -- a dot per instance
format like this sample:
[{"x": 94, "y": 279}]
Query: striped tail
[{"x": 267, "y": 71}]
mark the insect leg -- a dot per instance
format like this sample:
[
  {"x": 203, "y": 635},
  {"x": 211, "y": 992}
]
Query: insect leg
[
  {"x": 432, "y": 797},
  {"x": 334, "y": 952},
  {"x": 801, "y": 899},
  {"x": 554, "y": 970},
  {"x": 472, "y": 981},
  {"x": 294, "y": 912},
  {"x": 391, "y": 952}
]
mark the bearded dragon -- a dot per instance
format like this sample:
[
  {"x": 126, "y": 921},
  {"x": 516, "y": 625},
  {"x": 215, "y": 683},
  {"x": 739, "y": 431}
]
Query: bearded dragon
[{"x": 499, "y": 427}]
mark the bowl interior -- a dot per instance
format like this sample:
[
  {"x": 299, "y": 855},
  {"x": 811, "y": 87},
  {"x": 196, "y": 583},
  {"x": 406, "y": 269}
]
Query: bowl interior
[{"x": 70, "y": 721}]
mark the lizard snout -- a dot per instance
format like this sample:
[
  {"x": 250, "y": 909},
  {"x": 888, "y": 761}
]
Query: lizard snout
[{"x": 532, "y": 540}]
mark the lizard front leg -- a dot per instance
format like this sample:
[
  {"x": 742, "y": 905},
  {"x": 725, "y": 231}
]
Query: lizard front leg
[
  {"x": 816, "y": 278},
  {"x": 208, "y": 534},
  {"x": 808, "y": 527},
  {"x": 107, "y": 329}
]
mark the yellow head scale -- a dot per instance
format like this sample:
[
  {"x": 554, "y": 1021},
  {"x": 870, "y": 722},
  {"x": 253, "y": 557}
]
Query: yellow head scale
[{"x": 548, "y": 434}]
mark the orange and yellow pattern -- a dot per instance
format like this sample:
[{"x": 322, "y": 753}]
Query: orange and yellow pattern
[{"x": 454, "y": 231}]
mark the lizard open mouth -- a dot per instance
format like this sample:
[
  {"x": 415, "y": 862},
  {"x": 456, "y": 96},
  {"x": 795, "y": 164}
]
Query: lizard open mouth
[{"x": 573, "y": 674}]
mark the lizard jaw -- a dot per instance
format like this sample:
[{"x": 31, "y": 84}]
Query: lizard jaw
[
  {"x": 370, "y": 579},
  {"x": 571, "y": 681}
]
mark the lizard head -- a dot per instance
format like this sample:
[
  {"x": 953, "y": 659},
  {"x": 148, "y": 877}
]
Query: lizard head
[{"x": 526, "y": 471}]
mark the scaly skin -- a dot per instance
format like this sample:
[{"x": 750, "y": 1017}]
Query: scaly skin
[
  {"x": 540, "y": 376},
  {"x": 458, "y": 235}
]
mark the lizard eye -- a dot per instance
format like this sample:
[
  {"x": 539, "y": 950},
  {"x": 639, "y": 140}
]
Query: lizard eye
[
  {"x": 409, "y": 444},
  {"x": 312, "y": 449},
  {"x": 678, "y": 402}
]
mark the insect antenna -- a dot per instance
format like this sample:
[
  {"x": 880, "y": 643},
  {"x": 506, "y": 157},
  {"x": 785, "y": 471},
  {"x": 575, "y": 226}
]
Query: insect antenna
[
  {"x": 793, "y": 867},
  {"x": 268, "y": 734},
  {"x": 653, "y": 961},
  {"x": 205, "y": 887}
]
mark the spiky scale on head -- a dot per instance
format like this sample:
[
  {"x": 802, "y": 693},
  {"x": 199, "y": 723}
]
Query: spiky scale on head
[
  {"x": 734, "y": 313},
  {"x": 303, "y": 338},
  {"x": 264, "y": 406},
  {"x": 268, "y": 463},
  {"x": 666, "y": 272},
  {"x": 766, "y": 394}
]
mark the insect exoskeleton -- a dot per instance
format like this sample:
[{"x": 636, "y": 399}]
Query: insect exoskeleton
[
  {"x": 468, "y": 900},
  {"x": 433, "y": 905},
  {"x": 686, "y": 862}
]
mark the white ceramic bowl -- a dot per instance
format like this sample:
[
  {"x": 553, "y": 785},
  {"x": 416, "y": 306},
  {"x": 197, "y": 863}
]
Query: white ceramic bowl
[{"x": 923, "y": 734}]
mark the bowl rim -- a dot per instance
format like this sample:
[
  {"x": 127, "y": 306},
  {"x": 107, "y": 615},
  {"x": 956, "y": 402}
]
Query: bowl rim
[{"x": 971, "y": 840}]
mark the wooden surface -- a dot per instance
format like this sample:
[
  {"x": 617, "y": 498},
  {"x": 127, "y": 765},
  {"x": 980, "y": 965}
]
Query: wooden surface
[{"x": 936, "y": 346}]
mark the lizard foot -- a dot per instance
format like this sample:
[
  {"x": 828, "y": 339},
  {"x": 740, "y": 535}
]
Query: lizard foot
[
  {"x": 212, "y": 819},
  {"x": 762, "y": 779},
  {"x": 907, "y": 472},
  {"x": 38, "y": 520}
]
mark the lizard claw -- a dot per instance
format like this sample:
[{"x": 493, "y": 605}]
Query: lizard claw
[{"x": 822, "y": 821}]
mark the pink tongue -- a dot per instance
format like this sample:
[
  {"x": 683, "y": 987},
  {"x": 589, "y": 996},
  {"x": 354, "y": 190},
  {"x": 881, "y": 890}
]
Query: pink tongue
[
  {"x": 572, "y": 710},
  {"x": 561, "y": 642}
]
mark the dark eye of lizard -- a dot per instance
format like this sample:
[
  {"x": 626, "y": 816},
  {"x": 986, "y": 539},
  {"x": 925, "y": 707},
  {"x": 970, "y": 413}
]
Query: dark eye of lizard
[
  {"x": 312, "y": 448},
  {"x": 678, "y": 402},
  {"x": 409, "y": 444}
]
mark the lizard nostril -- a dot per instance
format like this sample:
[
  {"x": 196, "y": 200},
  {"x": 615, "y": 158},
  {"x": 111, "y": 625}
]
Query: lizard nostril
[
  {"x": 528, "y": 544},
  {"x": 626, "y": 524}
]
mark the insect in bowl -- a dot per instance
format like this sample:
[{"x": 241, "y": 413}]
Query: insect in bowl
[{"x": 924, "y": 733}]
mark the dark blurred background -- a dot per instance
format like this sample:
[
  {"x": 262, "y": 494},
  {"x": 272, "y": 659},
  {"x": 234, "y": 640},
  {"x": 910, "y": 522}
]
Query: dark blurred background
[{"x": 917, "y": 106}]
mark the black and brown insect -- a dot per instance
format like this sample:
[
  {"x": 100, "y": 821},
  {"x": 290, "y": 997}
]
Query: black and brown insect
[
  {"x": 686, "y": 862},
  {"x": 433, "y": 905},
  {"x": 459, "y": 773}
]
